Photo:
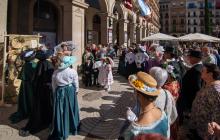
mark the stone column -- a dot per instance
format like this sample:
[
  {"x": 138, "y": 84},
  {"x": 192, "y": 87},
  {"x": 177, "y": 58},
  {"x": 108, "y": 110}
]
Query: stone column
[
  {"x": 133, "y": 34},
  {"x": 143, "y": 32},
  {"x": 78, "y": 29},
  {"x": 114, "y": 30},
  {"x": 104, "y": 30},
  {"x": 3, "y": 18},
  {"x": 138, "y": 33},
  {"x": 123, "y": 32},
  {"x": 110, "y": 29}
]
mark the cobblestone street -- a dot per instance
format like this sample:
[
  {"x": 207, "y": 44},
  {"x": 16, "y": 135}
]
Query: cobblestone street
[{"x": 102, "y": 114}]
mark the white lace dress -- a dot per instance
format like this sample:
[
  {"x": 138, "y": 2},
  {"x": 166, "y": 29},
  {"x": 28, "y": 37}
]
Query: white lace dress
[{"x": 105, "y": 77}]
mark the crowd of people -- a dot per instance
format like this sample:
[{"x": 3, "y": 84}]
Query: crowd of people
[
  {"x": 177, "y": 90},
  {"x": 48, "y": 93},
  {"x": 97, "y": 63}
]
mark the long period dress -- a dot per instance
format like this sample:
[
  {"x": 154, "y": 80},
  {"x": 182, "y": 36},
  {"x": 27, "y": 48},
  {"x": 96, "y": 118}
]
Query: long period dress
[
  {"x": 26, "y": 92},
  {"x": 65, "y": 111},
  {"x": 105, "y": 77},
  {"x": 41, "y": 114}
]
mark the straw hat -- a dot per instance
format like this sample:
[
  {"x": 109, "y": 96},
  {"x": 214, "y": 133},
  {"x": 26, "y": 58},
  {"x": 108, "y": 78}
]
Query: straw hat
[{"x": 144, "y": 83}]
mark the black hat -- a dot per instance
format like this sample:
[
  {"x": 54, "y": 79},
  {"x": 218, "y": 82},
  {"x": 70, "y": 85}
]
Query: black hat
[
  {"x": 170, "y": 50},
  {"x": 43, "y": 54},
  {"x": 195, "y": 53}
]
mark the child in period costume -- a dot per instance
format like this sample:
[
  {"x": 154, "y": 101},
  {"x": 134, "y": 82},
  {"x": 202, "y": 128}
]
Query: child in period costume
[
  {"x": 95, "y": 67},
  {"x": 86, "y": 55},
  {"x": 66, "y": 111},
  {"x": 88, "y": 71},
  {"x": 41, "y": 115},
  {"x": 105, "y": 77},
  {"x": 26, "y": 87}
]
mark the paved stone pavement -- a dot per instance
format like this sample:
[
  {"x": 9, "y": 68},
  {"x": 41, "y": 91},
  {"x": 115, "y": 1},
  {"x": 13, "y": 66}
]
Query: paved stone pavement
[{"x": 102, "y": 114}]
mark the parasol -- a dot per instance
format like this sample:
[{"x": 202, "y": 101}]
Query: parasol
[
  {"x": 199, "y": 38},
  {"x": 158, "y": 37},
  {"x": 70, "y": 46}
]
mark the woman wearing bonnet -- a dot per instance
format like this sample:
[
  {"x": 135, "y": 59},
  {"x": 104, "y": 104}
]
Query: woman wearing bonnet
[{"x": 65, "y": 86}]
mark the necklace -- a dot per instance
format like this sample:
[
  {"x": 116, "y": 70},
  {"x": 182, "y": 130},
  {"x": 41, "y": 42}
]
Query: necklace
[{"x": 146, "y": 111}]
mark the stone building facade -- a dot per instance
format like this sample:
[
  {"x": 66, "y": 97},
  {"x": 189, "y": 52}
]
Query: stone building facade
[
  {"x": 83, "y": 21},
  {"x": 179, "y": 17},
  {"x": 173, "y": 17}
]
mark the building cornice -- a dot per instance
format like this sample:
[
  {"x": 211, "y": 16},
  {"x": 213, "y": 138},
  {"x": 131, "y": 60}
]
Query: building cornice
[{"x": 80, "y": 4}]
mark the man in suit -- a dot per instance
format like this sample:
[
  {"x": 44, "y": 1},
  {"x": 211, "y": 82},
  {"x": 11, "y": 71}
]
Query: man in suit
[{"x": 191, "y": 84}]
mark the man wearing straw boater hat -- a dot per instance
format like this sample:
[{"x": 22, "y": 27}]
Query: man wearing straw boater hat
[{"x": 151, "y": 119}]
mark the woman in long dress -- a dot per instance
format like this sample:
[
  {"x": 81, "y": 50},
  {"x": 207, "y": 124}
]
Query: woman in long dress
[
  {"x": 26, "y": 87},
  {"x": 41, "y": 115},
  {"x": 65, "y": 107}
]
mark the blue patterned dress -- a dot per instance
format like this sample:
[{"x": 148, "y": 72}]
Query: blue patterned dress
[{"x": 160, "y": 126}]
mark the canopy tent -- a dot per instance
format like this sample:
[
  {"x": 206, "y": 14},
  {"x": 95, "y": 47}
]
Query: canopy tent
[
  {"x": 199, "y": 38},
  {"x": 158, "y": 37}
]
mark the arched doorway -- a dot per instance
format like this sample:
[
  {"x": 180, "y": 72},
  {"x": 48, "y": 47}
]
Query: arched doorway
[
  {"x": 118, "y": 24},
  {"x": 96, "y": 22},
  {"x": 45, "y": 22},
  {"x": 117, "y": 17},
  {"x": 96, "y": 29},
  {"x": 130, "y": 30}
]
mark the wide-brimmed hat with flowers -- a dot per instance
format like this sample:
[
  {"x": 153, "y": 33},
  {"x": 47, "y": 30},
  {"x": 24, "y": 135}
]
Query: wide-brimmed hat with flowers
[
  {"x": 144, "y": 83},
  {"x": 66, "y": 62}
]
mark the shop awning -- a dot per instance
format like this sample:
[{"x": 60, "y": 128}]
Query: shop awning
[{"x": 145, "y": 9}]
